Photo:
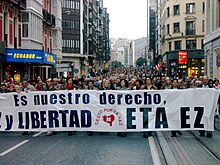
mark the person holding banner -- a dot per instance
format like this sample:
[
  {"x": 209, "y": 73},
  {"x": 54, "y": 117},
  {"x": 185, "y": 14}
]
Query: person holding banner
[
  {"x": 90, "y": 86},
  {"x": 175, "y": 86},
  {"x": 205, "y": 84},
  {"x": 26, "y": 87},
  {"x": 123, "y": 85},
  {"x": 148, "y": 86},
  {"x": 49, "y": 87},
  {"x": 70, "y": 86}
]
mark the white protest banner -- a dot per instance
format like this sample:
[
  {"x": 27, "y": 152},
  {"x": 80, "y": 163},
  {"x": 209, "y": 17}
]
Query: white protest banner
[{"x": 109, "y": 111}]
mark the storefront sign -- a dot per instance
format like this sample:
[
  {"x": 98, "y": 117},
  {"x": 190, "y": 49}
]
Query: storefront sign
[
  {"x": 30, "y": 56},
  {"x": 218, "y": 60},
  {"x": 182, "y": 57},
  {"x": 23, "y": 55},
  {"x": 49, "y": 58}
]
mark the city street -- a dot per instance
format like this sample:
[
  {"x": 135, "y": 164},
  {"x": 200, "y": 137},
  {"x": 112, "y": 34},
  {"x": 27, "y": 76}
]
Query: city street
[{"x": 108, "y": 148}]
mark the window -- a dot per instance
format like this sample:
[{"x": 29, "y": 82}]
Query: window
[
  {"x": 176, "y": 10},
  {"x": 168, "y": 29},
  {"x": 190, "y": 44},
  {"x": 77, "y": 5},
  {"x": 168, "y": 12},
  {"x": 77, "y": 26},
  {"x": 176, "y": 27},
  {"x": 25, "y": 17},
  {"x": 203, "y": 25},
  {"x": 177, "y": 45},
  {"x": 25, "y": 20},
  {"x": 190, "y": 28},
  {"x": 203, "y": 7},
  {"x": 170, "y": 46},
  {"x": 77, "y": 43},
  {"x": 69, "y": 4},
  {"x": 190, "y": 8},
  {"x": 68, "y": 24},
  {"x": 70, "y": 45}
]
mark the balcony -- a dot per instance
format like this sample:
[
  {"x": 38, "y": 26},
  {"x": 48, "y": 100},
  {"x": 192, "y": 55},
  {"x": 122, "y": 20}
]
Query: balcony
[
  {"x": 190, "y": 32},
  {"x": 47, "y": 18}
]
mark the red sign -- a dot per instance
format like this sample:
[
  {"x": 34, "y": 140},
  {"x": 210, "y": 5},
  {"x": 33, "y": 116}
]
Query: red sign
[{"x": 182, "y": 57}]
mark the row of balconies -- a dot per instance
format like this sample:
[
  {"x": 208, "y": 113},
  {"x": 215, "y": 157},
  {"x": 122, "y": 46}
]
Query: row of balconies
[{"x": 48, "y": 18}]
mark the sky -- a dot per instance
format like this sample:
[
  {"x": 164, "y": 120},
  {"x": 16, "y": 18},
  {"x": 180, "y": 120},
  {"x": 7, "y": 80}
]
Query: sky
[{"x": 127, "y": 18}]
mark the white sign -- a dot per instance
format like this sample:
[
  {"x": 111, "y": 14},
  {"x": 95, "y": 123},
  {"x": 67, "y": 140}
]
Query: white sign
[{"x": 109, "y": 111}]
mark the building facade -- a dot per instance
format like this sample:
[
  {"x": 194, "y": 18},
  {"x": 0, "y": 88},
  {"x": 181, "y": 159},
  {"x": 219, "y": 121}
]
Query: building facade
[
  {"x": 85, "y": 38},
  {"x": 158, "y": 36},
  {"x": 152, "y": 36},
  {"x": 183, "y": 30},
  {"x": 10, "y": 32},
  {"x": 151, "y": 32},
  {"x": 212, "y": 39},
  {"x": 28, "y": 28},
  {"x": 140, "y": 48},
  {"x": 122, "y": 51}
]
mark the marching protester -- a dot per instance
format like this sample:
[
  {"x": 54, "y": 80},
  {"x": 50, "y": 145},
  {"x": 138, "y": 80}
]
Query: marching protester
[
  {"x": 148, "y": 86},
  {"x": 3, "y": 88},
  {"x": 26, "y": 87},
  {"x": 90, "y": 86},
  {"x": 206, "y": 84},
  {"x": 123, "y": 85},
  {"x": 175, "y": 86},
  {"x": 70, "y": 86}
]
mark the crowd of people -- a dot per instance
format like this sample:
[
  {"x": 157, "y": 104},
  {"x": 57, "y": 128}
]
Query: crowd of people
[{"x": 113, "y": 79}]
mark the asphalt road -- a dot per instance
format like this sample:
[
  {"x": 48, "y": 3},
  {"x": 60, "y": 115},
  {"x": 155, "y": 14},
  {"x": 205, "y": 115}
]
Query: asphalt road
[{"x": 77, "y": 149}]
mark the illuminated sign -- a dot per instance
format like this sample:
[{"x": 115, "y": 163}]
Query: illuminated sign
[
  {"x": 30, "y": 56},
  {"x": 182, "y": 57}
]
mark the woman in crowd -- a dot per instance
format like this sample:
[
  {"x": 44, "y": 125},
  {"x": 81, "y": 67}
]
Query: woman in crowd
[
  {"x": 123, "y": 85},
  {"x": 70, "y": 86}
]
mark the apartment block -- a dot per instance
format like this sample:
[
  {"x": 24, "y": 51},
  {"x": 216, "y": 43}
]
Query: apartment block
[{"x": 183, "y": 30}]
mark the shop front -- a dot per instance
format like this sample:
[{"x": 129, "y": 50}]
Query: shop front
[
  {"x": 28, "y": 64},
  {"x": 185, "y": 63}
]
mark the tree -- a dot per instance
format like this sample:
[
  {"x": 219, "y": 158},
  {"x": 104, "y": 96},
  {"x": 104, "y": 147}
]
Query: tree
[
  {"x": 117, "y": 64},
  {"x": 141, "y": 61}
]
